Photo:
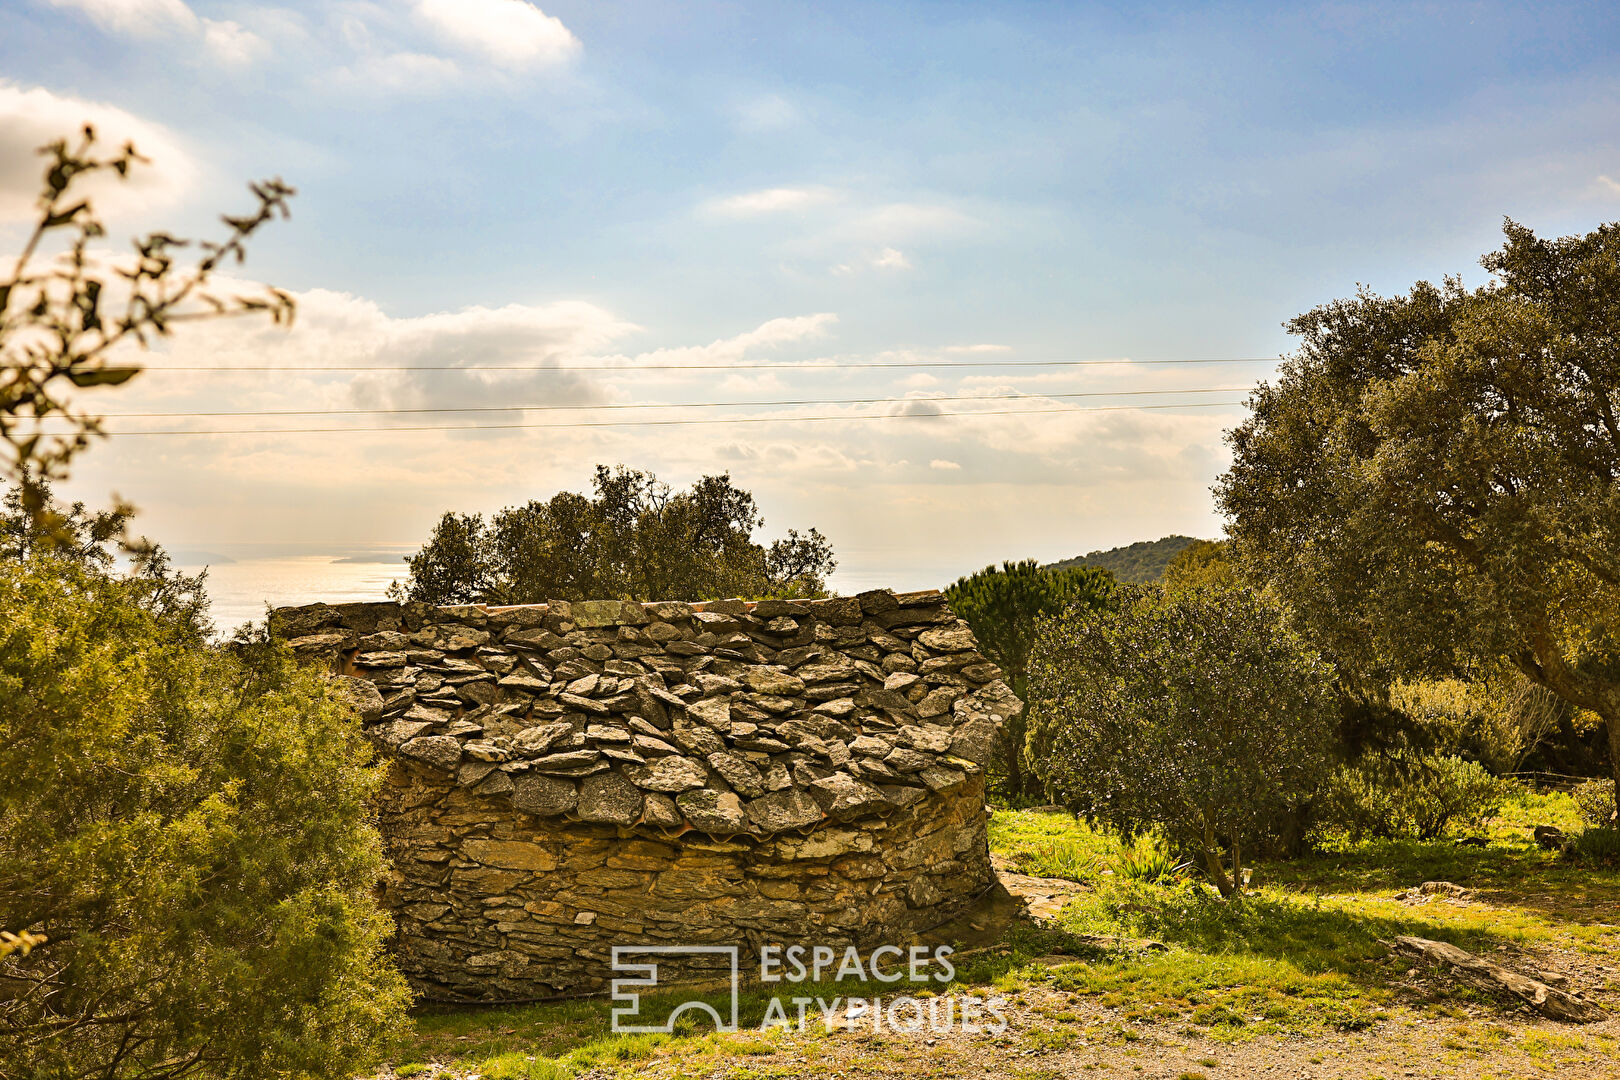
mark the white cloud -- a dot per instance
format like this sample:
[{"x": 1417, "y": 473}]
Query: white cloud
[
  {"x": 986, "y": 348},
  {"x": 944, "y": 466},
  {"x": 511, "y": 33},
  {"x": 768, "y": 201},
  {"x": 31, "y": 118},
  {"x": 227, "y": 41},
  {"x": 891, "y": 259},
  {"x": 232, "y": 43},
  {"x": 1609, "y": 185}
]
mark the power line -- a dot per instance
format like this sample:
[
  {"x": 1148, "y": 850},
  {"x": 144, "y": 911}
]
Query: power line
[
  {"x": 680, "y": 423},
  {"x": 671, "y": 405},
  {"x": 633, "y": 368}
]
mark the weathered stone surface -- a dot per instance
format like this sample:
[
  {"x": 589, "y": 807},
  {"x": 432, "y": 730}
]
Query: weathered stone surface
[
  {"x": 566, "y": 763},
  {"x": 509, "y": 854},
  {"x": 439, "y": 751},
  {"x": 716, "y": 712},
  {"x": 546, "y": 796},
  {"x": 713, "y": 811},
  {"x": 742, "y": 774},
  {"x": 669, "y": 774},
  {"x": 783, "y": 810},
  {"x": 767, "y": 681},
  {"x": 842, "y": 796},
  {"x": 362, "y": 696},
  {"x": 609, "y": 797},
  {"x": 957, "y": 638}
]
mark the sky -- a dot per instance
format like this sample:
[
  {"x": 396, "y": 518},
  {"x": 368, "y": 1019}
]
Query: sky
[{"x": 605, "y": 189}]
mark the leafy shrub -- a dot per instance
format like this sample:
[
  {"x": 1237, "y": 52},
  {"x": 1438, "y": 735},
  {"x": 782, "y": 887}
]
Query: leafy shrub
[
  {"x": 1595, "y": 798},
  {"x": 1408, "y": 797},
  {"x": 1194, "y": 713},
  {"x": 188, "y": 827},
  {"x": 1597, "y": 845}
]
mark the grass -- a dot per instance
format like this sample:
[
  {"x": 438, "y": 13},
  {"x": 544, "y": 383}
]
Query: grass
[{"x": 1302, "y": 954}]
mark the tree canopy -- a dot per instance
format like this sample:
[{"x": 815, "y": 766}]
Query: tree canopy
[
  {"x": 1193, "y": 711},
  {"x": 1003, "y": 605},
  {"x": 633, "y": 539},
  {"x": 1433, "y": 481}
]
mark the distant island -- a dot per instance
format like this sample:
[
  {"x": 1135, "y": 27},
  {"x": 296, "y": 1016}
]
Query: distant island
[{"x": 1141, "y": 562}]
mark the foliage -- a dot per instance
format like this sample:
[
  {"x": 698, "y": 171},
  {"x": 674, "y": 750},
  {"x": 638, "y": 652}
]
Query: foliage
[
  {"x": 62, "y": 324},
  {"x": 1499, "y": 716},
  {"x": 94, "y": 540},
  {"x": 1194, "y": 711},
  {"x": 1599, "y": 845},
  {"x": 635, "y": 539},
  {"x": 1138, "y": 564},
  {"x": 1595, "y": 799},
  {"x": 1203, "y": 562},
  {"x": 189, "y": 829},
  {"x": 1430, "y": 484},
  {"x": 1418, "y": 798},
  {"x": 1145, "y": 858},
  {"x": 1003, "y": 605}
]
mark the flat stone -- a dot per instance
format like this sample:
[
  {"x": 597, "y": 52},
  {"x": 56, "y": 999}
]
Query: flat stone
[
  {"x": 931, "y": 739},
  {"x": 583, "y": 704},
  {"x": 509, "y": 854},
  {"x": 939, "y": 778},
  {"x": 904, "y": 760},
  {"x": 523, "y": 683},
  {"x": 743, "y": 775},
  {"x": 839, "y": 707},
  {"x": 610, "y": 798},
  {"x": 843, "y": 796},
  {"x": 669, "y": 774},
  {"x": 716, "y": 712},
  {"x": 781, "y": 810},
  {"x": 361, "y": 695},
  {"x": 439, "y": 751},
  {"x": 541, "y": 737},
  {"x": 766, "y": 681},
  {"x": 713, "y": 811},
  {"x": 545, "y": 796},
  {"x": 572, "y": 761},
  {"x": 660, "y": 810},
  {"x": 899, "y": 680},
  {"x": 938, "y": 702},
  {"x": 697, "y": 738},
  {"x": 956, "y": 638}
]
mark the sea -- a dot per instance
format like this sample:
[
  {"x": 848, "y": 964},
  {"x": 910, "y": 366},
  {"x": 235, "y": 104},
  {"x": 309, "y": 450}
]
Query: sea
[{"x": 240, "y": 590}]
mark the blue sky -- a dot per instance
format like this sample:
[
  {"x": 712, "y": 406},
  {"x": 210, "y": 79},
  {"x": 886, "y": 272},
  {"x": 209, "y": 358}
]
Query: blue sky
[{"x": 778, "y": 183}]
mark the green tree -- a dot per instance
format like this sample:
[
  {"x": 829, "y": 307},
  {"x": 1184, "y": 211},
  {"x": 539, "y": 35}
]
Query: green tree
[
  {"x": 1003, "y": 605},
  {"x": 1196, "y": 712},
  {"x": 636, "y": 539},
  {"x": 188, "y": 829},
  {"x": 1433, "y": 481},
  {"x": 1203, "y": 562}
]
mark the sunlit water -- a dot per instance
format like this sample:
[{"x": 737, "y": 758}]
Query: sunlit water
[{"x": 240, "y": 590}]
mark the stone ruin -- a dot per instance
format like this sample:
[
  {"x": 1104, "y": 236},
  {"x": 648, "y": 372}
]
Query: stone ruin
[{"x": 563, "y": 778}]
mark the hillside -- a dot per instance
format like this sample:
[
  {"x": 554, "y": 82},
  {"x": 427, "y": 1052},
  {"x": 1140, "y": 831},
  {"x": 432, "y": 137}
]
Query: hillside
[{"x": 1142, "y": 561}]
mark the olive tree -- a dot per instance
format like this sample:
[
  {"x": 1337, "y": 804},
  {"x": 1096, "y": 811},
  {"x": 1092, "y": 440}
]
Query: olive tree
[
  {"x": 1197, "y": 712},
  {"x": 1432, "y": 483},
  {"x": 1002, "y": 605},
  {"x": 634, "y": 538}
]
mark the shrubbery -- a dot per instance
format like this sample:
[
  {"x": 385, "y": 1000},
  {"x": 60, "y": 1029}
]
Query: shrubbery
[
  {"x": 1417, "y": 797},
  {"x": 188, "y": 827},
  {"x": 1193, "y": 712},
  {"x": 1595, "y": 799}
]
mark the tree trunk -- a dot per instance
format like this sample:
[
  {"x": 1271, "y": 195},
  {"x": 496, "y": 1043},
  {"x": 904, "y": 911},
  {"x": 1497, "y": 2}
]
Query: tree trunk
[
  {"x": 1212, "y": 861},
  {"x": 1612, "y": 722}
]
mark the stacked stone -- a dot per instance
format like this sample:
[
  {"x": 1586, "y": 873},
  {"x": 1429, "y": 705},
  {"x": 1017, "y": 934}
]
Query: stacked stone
[
  {"x": 565, "y": 778},
  {"x": 726, "y": 717}
]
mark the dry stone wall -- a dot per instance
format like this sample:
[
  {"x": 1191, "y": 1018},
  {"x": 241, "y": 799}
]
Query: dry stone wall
[{"x": 568, "y": 777}]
